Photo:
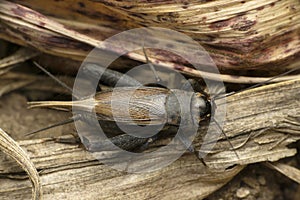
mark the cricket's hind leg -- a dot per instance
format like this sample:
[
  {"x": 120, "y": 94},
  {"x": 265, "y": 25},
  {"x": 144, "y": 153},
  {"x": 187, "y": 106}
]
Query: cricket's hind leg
[
  {"x": 113, "y": 133},
  {"x": 125, "y": 142},
  {"x": 110, "y": 77},
  {"x": 96, "y": 73}
]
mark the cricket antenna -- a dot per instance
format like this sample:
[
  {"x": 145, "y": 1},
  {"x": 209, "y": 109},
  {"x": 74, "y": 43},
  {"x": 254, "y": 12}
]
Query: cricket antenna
[
  {"x": 158, "y": 80},
  {"x": 56, "y": 79},
  {"x": 219, "y": 127},
  {"x": 259, "y": 84},
  {"x": 72, "y": 119}
]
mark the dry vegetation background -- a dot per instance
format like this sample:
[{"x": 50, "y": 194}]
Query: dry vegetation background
[{"x": 249, "y": 41}]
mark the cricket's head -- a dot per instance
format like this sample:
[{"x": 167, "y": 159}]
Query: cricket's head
[{"x": 201, "y": 104}]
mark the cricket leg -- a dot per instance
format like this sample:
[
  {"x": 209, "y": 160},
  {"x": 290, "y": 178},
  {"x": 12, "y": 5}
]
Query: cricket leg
[
  {"x": 110, "y": 77},
  {"x": 191, "y": 148},
  {"x": 146, "y": 144},
  {"x": 75, "y": 139},
  {"x": 192, "y": 85},
  {"x": 125, "y": 142},
  {"x": 158, "y": 80}
]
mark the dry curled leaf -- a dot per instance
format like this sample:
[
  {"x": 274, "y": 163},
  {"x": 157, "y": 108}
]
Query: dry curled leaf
[
  {"x": 68, "y": 170},
  {"x": 239, "y": 35},
  {"x": 12, "y": 149},
  {"x": 270, "y": 116}
]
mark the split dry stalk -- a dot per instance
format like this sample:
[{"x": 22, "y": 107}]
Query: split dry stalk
[{"x": 270, "y": 115}]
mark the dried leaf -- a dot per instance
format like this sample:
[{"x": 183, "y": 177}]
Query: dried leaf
[
  {"x": 238, "y": 35},
  {"x": 12, "y": 149},
  {"x": 269, "y": 113},
  {"x": 69, "y": 168}
]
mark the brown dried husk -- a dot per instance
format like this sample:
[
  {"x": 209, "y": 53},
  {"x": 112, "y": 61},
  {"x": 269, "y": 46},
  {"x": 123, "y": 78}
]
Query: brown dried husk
[
  {"x": 240, "y": 35},
  {"x": 260, "y": 133}
]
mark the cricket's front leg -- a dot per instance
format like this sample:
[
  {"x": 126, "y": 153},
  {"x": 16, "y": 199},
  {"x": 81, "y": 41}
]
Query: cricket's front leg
[{"x": 192, "y": 85}]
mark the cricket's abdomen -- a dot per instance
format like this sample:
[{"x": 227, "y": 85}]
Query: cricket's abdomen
[{"x": 141, "y": 106}]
